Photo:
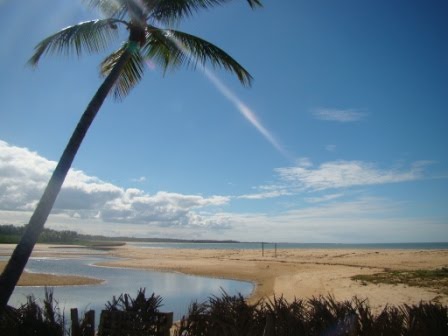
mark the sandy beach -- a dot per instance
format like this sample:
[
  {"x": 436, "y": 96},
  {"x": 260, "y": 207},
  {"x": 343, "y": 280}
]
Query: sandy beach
[
  {"x": 299, "y": 273},
  {"x": 293, "y": 273}
]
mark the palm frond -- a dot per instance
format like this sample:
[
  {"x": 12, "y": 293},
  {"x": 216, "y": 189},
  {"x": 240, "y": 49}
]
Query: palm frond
[
  {"x": 166, "y": 11},
  {"x": 91, "y": 36},
  {"x": 131, "y": 73},
  {"x": 172, "y": 48},
  {"x": 169, "y": 11},
  {"x": 117, "y": 8}
]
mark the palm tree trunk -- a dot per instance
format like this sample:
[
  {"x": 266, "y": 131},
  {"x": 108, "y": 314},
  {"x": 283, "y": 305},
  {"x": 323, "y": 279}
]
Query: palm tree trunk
[{"x": 22, "y": 252}]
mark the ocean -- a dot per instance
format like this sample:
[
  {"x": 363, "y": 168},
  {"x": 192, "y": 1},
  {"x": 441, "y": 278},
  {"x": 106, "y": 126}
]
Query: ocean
[{"x": 272, "y": 245}]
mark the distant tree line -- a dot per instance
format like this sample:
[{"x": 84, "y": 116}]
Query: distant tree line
[{"x": 10, "y": 234}]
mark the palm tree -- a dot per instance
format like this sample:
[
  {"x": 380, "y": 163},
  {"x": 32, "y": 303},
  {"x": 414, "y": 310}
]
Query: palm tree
[{"x": 122, "y": 69}]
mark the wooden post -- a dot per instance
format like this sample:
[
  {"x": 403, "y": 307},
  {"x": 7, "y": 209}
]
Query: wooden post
[
  {"x": 276, "y": 250},
  {"x": 165, "y": 328},
  {"x": 90, "y": 323},
  {"x": 75, "y": 322},
  {"x": 262, "y": 249}
]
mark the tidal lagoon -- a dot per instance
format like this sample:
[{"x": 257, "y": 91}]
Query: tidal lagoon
[{"x": 177, "y": 290}]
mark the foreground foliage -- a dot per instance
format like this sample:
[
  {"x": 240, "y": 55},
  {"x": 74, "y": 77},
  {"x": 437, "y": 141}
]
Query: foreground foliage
[
  {"x": 233, "y": 316},
  {"x": 228, "y": 315},
  {"x": 34, "y": 319}
]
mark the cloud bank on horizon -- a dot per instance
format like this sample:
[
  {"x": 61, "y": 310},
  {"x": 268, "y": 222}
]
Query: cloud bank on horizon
[{"x": 323, "y": 204}]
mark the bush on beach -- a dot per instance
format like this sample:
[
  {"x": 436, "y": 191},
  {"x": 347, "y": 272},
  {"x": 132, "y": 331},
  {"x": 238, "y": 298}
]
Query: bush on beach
[
  {"x": 34, "y": 319},
  {"x": 323, "y": 315}
]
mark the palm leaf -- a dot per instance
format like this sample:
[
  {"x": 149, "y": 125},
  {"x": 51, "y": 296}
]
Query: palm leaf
[
  {"x": 118, "y": 8},
  {"x": 171, "y": 48},
  {"x": 169, "y": 11},
  {"x": 92, "y": 36},
  {"x": 131, "y": 73},
  {"x": 166, "y": 11}
]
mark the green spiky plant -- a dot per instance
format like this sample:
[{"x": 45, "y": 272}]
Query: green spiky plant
[
  {"x": 323, "y": 315},
  {"x": 122, "y": 69},
  {"x": 32, "y": 318},
  {"x": 138, "y": 316}
]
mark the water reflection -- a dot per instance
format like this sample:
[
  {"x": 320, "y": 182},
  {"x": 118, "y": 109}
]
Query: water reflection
[{"x": 177, "y": 290}]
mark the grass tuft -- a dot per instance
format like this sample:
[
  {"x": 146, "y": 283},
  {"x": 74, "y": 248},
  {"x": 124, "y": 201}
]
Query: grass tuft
[{"x": 436, "y": 279}]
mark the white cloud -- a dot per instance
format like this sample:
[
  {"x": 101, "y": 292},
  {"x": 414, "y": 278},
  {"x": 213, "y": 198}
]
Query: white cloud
[
  {"x": 163, "y": 208},
  {"x": 140, "y": 179},
  {"x": 339, "y": 115},
  {"x": 90, "y": 205},
  {"x": 266, "y": 194},
  {"x": 343, "y": 174},
  {"x": 24, "y": 175}
]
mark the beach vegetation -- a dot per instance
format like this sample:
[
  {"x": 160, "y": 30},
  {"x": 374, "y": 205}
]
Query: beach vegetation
[
  {"x": 436, "y": 279},
  {"x": 322, "y": 315},
  {"x": 33, "y": 318},
  {"x": 145, "y": 23},
  {"x": 10, "y": 234},
  {"x": 233, "y": 315},
  {"x": 132, "y": 316}
]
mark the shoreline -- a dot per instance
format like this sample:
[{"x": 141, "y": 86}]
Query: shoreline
[
  {"x": 31, "y": 279},
  {"x": 292, "y": 273}
]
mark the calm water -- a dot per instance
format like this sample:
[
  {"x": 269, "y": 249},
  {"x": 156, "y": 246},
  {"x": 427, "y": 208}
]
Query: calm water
[
  {"x": 254, "y": 246},
  {"x": 177, "y": 290}
]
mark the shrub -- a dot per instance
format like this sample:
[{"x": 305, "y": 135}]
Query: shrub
[
  {"x": 323, "y": 315},
  {"x": 233, "y": 316},
  {"x": 32, "y": 319},
  {"x": 128, "y": 316},
  {"x": 224, "y": 316}
]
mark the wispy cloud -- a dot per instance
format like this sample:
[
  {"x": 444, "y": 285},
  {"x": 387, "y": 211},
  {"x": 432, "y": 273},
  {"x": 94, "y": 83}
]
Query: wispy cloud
[
  {"x": 324, "y": 198},
  {"x": 339, "y": 115},
  {"x": 265, "y": 194},
  {"x": 343, "y": 174},
  {"x": 140, "y": 179},
  {"x": 304, "y": 177}
]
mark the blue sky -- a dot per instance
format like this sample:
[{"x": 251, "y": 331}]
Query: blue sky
[{"x": 341, "y": 138}]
